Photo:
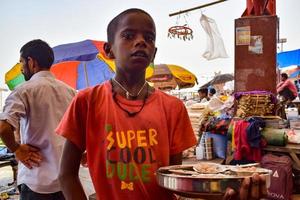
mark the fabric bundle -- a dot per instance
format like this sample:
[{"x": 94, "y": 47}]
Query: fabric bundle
[
  {"x": 276, "y": 137},
  {"x": 252, "y": 104}
]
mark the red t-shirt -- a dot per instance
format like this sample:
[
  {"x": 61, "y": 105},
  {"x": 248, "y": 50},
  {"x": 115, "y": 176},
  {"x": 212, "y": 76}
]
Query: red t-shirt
[{"x": 124, "y": 152}]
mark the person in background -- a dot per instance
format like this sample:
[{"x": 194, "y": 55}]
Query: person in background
[
  {"x": 203, "y": 95},
  {"x": 128, "y": 128},
  {"x": 211, "y": 92},
  {"x": 286, "y": 89},
  {"x": 37, "y": 106}
]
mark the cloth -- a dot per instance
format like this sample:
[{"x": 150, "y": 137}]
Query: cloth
[
  {"x": 217, "y": 125},
  {"x": 253, "y": 131},
  {"x": 37, "y": 106},
  {"x": 287, "y": 84},
  {"x": 243, "y": 151},
  {"x": 27, "y": 194},
  {"x": 124, "y": 152},
  {"x": 215, "y": 45},
  {"x": 204, "y": 100}
]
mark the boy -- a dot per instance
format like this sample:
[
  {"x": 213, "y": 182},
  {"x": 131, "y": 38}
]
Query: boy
[
  {"x": 128, "y": 128},
  {"x": 203, "y": 95}
]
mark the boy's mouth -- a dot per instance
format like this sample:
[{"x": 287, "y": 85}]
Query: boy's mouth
[{"x": 140, "y": 54}]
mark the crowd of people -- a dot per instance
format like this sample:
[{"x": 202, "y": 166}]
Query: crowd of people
[{"x": 113, "y": 123}]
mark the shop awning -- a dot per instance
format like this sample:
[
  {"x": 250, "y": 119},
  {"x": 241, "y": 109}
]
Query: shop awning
[{"x": 288, "y": 58}]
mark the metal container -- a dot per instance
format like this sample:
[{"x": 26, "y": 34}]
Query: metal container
[{"x": 183, "y": 179}]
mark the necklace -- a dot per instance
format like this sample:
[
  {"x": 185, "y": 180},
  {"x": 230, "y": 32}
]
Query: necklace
[
  {"x": 130, "y": 114},
  {"x": 128, "y": 94}
]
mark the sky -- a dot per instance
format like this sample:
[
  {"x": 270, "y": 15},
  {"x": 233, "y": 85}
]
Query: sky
[{"x": 66, "y": 21}]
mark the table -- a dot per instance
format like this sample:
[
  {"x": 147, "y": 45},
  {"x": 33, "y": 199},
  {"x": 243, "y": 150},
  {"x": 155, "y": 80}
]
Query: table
[{"x": 292, "y": 149}]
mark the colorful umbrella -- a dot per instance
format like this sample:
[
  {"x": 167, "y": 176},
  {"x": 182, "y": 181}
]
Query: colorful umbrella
[
  {"x": 293, "y": 72},
  {"x": 82, "y": 51},
  {"x": 167, "y": 76},
  {"x": 14, "y": 77},
  {"x": 82, "y": 74}
]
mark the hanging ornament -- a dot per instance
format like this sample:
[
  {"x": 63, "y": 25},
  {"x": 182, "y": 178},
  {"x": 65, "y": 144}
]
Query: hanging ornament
[{"x": 183, "y": 32}]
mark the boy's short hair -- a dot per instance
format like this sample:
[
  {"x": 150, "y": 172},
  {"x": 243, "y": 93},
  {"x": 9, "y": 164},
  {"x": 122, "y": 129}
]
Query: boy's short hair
[
  {"x": 203, "y": 90},
  {"x": 40, "y": 51},
  {"x": 113, "y": 24}
]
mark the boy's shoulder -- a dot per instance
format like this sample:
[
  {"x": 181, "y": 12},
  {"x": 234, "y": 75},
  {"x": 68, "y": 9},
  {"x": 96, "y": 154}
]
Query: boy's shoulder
[{"x": 95, "y": 90}]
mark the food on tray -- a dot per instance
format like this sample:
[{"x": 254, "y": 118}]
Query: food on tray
[
  {"x": 206, "y": 177},
  {"x": 208, "y": 168}
]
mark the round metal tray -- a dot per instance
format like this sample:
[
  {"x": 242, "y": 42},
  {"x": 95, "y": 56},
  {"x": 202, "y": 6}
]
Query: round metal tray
[{"x": 183, "y": 179}]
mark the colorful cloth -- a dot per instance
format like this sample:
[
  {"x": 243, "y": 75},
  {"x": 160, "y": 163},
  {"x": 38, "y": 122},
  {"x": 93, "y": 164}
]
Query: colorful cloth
[
  {"x": 243, "y": 150},
  {"x": 123, "y": 153},
  {"x": 217, "y": 125}
]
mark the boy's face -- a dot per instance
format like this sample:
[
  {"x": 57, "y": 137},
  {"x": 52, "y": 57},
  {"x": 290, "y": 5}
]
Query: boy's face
[
  {"x": 201, "y": 94},
  {"x": 134, "y": 43}
]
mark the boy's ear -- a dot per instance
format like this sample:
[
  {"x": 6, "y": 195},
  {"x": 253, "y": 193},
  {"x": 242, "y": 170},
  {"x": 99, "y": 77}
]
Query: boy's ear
[
  {"x": 108, "y": 51},
  {"x": 154, "y": 54}
]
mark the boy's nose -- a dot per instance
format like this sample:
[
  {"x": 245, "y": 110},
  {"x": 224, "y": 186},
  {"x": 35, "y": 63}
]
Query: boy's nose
[{"x": 140, "y": 40}]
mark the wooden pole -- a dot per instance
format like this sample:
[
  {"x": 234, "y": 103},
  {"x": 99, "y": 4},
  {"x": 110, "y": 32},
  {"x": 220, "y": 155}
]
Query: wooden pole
[{"x": 195, "y": 8}]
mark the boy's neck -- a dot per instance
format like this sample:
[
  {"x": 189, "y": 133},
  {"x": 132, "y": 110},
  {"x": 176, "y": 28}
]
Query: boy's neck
[{"x": 131, "y": 81}]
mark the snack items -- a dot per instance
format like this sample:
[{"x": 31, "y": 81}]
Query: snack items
[{"x": 206, "y": 177}]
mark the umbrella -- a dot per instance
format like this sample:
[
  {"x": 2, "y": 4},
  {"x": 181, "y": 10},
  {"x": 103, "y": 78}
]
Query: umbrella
[
  {"x": 221, "y": 78},
  {"x": 82, "y": 74},
  {"x": 77, "y": 74},
  {"x": 167, "y": 76},
  {"x": 82, "y": 51},
  {"x": 292, "y": 72},
  {"x": 14, "y": 77}
]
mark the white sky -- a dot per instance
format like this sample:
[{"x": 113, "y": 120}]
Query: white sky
[{"x": 66, "y": 21}]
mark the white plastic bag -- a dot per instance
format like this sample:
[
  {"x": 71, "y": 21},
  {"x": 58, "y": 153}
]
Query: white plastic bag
[{"x": 215, "y": 45}]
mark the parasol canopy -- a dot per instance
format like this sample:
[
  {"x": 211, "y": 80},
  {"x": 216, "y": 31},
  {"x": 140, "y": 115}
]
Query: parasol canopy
[
  {"x": 82, "y": 51},
  {"x": 219, "y": 79},
  {"x": 293, "y": 72},
  {"x": 168, "y": 76},
  {"x": 14, "y": 76},
  {"x": 82, "y": 74},
  {"x": 77, "y": 74},
  {"x": 222, "y": 78}
]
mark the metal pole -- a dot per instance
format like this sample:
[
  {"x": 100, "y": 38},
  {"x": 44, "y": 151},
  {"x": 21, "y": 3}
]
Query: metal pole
[{"x": 195, "y": 8}]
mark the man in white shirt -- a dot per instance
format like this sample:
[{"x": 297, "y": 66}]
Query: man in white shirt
[{"x": 37, "y": 106}]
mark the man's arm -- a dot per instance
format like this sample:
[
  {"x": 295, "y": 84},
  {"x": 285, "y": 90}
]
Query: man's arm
[
  {"x": 69, "y": 169},
  {"x": 7, "y": 136},
  {"x": 283, "y": 85},
  {"x": 27, "y": 154}
]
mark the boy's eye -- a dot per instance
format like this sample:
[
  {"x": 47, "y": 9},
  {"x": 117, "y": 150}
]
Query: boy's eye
[
  {"x": 150, "y": 38},
  {"x": 127, "y": 35}
]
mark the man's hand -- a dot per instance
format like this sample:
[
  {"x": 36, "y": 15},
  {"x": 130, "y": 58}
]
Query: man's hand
[
  {"x": 255, "y": 189},
  {"x": 30, "y": 156}
]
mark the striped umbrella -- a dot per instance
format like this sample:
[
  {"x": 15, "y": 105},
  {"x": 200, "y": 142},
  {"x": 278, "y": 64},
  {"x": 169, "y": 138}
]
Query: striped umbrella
[
  {"x": 168, "y": 76},
  {"x": 14, "y": 77}
]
